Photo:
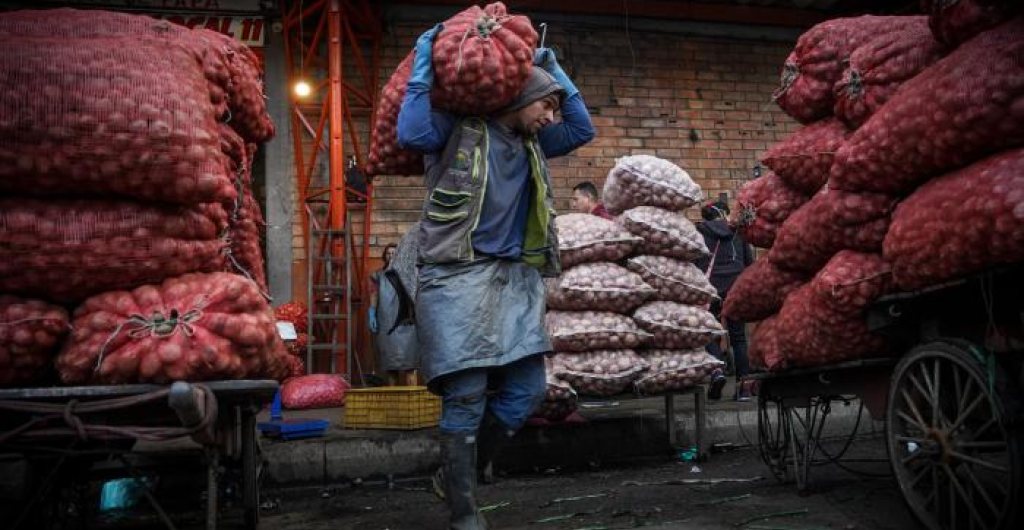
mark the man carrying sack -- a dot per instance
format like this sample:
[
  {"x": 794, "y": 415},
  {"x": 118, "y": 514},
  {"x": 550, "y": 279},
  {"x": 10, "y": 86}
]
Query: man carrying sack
[{"x": 487, "y": 235}]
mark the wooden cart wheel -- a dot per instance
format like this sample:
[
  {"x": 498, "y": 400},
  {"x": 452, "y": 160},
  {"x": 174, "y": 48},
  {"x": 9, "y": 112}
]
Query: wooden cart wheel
[
  {"x": 250, "y": 471},
  {"x": 956, "y": 457},
  {"x": 773, "y": 435}
]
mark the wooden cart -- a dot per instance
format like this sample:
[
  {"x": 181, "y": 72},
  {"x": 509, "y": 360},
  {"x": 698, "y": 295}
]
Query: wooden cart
[{"x": 950, "y": 399}]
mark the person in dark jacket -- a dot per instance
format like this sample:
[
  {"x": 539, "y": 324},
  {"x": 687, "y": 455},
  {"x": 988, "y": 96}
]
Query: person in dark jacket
[{"x": 730, "y": 254}]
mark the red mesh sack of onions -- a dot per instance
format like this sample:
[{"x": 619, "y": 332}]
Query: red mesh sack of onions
[
  {"x": 584, "y": 238},
  {"x": 812, "y": 334},
  {"x": 877, "y": 69},
  {"x": 964, "y": 222},
  {"x": 69, "y": 24},
  {"x": 195, "y": 327},
  {"x": 765, "y": 351},
  {"x": 560, "y": 400},
  {"x": 68, "y": 250},
  {"x": 852, "y": 280},
  {"x": 760, "y": 290},
  {"x": 677, "y": 326},
  {"x": 763, "y": 205},
  {"x": 674, "y": 280},
  {"x": 482, "y": 60},
  {"x": 675, "y": 370},
  {"x": 831, "y": 221},
  {"x": 599, "y": 373},
  {"x": 123, "y": 117},
  {"x": 386, "y": 158},
  {"x": 816, "y": 63},
  {"x": 231, "y": 68},
  {"x": 316, "y": 391},
  {"x": 597, "y": 286},
  {"x": 645, "y": 180},
  {"x": 957, "y": 21},
  {"x": 245, "y": 97},
  {"x": 294, "y": 312},
  {"x": 804, "y": 158},
  {"x": 31, "y": 332},
  {"x": 665, "y": 233},
  {"x": 592, "y": 330},
  {"x": 964, "y": 107}
]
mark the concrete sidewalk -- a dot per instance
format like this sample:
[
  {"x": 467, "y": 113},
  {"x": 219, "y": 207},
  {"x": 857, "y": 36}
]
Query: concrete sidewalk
[{"x": 614, "y": 432}]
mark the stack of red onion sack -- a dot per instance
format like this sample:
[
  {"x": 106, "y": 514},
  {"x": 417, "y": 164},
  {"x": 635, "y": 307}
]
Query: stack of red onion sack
[
  {"x": 126, "y": 152},
  {"x": 919, "y": 174},
  {"x": 482, "y": 60}
]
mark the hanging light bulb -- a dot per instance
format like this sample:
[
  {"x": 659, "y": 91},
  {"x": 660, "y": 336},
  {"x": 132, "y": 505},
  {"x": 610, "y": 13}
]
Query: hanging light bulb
[{"x": 302, "y": 88}]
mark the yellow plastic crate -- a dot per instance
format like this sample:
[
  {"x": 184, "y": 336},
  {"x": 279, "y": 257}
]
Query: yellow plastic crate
[{"x": 391, "y": 407}]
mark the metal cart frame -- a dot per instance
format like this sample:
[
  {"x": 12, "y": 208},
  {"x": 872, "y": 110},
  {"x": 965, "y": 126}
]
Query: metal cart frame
[
  {"x": 951, "y": 402},
  {"x": 77, "y": 426}
]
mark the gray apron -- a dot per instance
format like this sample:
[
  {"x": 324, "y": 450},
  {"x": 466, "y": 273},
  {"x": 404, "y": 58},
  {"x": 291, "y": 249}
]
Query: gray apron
[{"x": 478, "y": 315}]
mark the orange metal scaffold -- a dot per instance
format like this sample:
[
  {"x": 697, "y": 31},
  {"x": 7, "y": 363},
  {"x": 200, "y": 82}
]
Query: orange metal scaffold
[{"x": 334, "y": 46}]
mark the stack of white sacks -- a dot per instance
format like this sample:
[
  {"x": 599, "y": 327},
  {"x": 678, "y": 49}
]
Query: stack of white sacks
[{"x": 629, "y": 311}]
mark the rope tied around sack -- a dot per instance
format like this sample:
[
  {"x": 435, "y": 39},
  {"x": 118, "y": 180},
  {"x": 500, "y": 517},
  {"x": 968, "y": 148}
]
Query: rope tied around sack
[
  {"x": 157, "y": 325},
  {"x": 226, "y": 234},
  {"x": 245, "y": 272},
  {"x": 838, "y": 285},
  {"x": 485, "y": 26},
  {"x": 35, "y": 319},
  {"x": 790, "y": 73},
  {"x": 855, "y": 88},
  {"x": 747, "y": 215}
]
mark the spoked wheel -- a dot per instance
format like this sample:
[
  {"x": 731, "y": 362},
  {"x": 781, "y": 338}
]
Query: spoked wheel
[
  {"x": 773, "y": 436},
  {"x": 957, "y": 461}
]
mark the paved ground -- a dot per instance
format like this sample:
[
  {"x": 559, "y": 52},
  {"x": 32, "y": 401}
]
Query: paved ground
[{"x": 650, "y": 495}]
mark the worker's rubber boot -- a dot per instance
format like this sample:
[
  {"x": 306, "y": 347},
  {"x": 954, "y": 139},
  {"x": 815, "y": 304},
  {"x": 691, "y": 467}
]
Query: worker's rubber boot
[
  {"x": 492, "y": 437},
  {"x": 458, "y": 478}
]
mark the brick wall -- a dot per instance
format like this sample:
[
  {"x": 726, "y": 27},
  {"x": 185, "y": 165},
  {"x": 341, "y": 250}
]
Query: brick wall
[{"x": 703, "y": 103}]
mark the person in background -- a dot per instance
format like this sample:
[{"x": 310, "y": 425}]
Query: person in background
[
  {"x": 394, "y": 377},
  {"x": 730, "y": 254},
  {"x": 585, "y": 199},
  {"x": 486, "y": 238},
  {"x": 375, "y": 278}
]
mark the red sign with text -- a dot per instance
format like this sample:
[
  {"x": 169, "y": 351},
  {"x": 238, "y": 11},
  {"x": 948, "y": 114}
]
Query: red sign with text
[{"x": 248, "y": 30}]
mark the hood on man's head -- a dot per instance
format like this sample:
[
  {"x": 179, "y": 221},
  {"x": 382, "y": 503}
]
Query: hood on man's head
[{"x": 540, "y": 85}]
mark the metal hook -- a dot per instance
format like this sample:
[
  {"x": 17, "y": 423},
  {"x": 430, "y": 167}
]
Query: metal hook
[{"x": 543, "y": 33}]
